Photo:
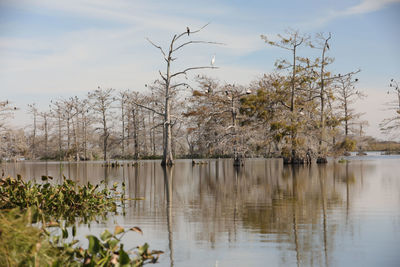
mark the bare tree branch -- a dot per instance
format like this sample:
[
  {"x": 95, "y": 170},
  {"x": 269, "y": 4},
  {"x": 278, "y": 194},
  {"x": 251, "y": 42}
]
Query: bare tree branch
[
  {"x": 193, "y": 68},
  {"x": 179, "y": 84},
  {"x": 344, "y": 75},
  {"x": 159, "y": 47},
  {"x": 162, "y": 76},
  {"x": 196, "y": 42},
  {"x": 148, "y": 108},
  {"x": 196, "y": 31}
]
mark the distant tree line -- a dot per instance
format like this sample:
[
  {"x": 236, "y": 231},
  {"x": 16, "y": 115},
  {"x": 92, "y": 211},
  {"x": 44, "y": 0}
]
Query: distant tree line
[{"x": 300, "y": 111}]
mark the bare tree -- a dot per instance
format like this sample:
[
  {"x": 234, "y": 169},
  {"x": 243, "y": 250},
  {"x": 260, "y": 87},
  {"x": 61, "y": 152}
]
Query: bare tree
[
  {"x": 45, "y": 128},
  {"x": 102, "y": 101},
  {"x": 6, "y": 109},
  {"x": 391, "y": 125},
  {"x": 56, "y": 110},
  {"x": 322, "y": 44},
  {"x": 170, "y": 86},
  {"x": 33, "y": 109},
  {"x": 347, "y": 94},
  {"x": 123, "y": 99}
]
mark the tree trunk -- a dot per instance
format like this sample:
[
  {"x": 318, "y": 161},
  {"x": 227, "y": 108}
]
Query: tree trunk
[
  {"x": 135, "y": 136},
  {"x": 167, "y": 159}
]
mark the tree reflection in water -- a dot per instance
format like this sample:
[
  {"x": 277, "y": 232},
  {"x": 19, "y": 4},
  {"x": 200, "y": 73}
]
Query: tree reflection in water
[{"x": 296, "y": 209}]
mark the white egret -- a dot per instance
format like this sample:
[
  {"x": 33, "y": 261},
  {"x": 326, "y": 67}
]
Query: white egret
[{"x": 213, "y": 61}]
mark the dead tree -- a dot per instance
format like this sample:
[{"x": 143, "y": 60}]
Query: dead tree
[
  {"x": 33, "y": 109},
  {"x": 323, "y": 45},
  {"x": 170, "y": 85},
  {"x": 102, "y": 101},
  {"x": 57, "y": 113},
  {"x": 391, "y": 125},
  {"x": 347, "y": 94}
]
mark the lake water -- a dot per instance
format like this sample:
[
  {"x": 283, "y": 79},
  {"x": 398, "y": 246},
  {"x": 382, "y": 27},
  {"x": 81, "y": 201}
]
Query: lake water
[{"x": 264, "y": 214}]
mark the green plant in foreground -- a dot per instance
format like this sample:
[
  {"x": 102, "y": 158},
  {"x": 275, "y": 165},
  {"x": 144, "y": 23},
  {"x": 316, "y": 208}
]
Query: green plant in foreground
[
  {"x": 22, "y": 244},
  {"x": 108, "y": 251},
  {"x": 67, "y": 201},
  {"x": 26, "y": 206}
]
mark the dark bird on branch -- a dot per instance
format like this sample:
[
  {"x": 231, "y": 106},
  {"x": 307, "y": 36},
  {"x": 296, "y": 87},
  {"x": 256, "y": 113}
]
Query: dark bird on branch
[
  {"x": 188, "y": 30},
  {"x": 327, "y": 46}
]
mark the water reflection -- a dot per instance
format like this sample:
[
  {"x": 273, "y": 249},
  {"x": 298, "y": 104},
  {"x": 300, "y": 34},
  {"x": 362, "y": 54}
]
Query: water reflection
[
  {"x": 168, "y": 180},
  {"x": 286, "y": 215}
]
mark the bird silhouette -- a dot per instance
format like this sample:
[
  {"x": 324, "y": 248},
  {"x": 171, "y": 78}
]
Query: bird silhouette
[
  {"x": 188, "y": 30},
  {"x": 327, "y": 46}
]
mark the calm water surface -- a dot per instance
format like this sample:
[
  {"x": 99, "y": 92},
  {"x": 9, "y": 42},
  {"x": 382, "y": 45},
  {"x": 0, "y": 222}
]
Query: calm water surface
[{"x": 265, "y": 214}]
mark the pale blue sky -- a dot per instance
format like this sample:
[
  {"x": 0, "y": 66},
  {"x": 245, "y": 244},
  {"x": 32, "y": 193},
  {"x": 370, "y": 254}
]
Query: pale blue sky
[{"x": 63, "y": 48}]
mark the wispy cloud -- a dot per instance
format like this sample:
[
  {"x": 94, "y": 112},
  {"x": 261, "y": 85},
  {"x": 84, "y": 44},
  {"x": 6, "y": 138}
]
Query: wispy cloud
[
  {"x": 81, "y": 59},
  {"x": 364, "y": 7},
  {"x": 367, "y": 6}
]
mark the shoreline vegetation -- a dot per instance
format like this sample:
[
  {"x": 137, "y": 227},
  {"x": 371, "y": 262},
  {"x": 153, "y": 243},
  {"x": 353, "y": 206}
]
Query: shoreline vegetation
[
  {"x": 384, "y": 147},
  {"x": 301, "y": 111},
  {"x": 38, "y": 225}
]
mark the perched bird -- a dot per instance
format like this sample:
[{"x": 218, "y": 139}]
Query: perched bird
[
  {"x": 248, "y": 91},
  {"x": 327, "y": 46},
  {"x": 188, "y": 30},
  {"x": 213, "y": 61},
  {"x": 356, "y": 80}
]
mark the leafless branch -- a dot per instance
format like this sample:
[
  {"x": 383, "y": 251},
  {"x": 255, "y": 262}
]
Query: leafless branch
[
  {"x": 283, "y": 103},
  {"x": 179, "y": 84},
  {"x": 196, "y": 31},
  {"x": 196, "y": 42},
  {"x": 344, "y": 75},
  {"x": 192, "y": 68},
  {"x": 159, "y": 47},
  {"x": 156, "y": 126},
  {"x": 162, "y": 76},
  {"x": 148, "y": 108}
]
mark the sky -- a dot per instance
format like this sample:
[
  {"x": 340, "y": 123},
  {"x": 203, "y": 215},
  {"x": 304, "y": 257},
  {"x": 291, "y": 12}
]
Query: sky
[{"x": 52, "y": 49}]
